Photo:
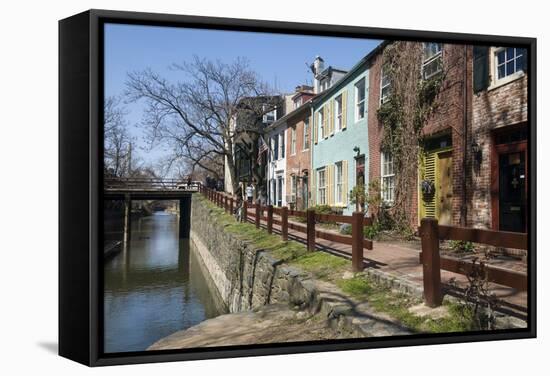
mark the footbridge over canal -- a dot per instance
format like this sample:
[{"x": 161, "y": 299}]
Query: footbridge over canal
[{"x": 128, "y": 189}]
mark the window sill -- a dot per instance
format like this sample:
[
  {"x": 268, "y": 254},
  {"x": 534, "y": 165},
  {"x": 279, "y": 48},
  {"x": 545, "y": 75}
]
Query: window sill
[{"x": 506, "y": 80}]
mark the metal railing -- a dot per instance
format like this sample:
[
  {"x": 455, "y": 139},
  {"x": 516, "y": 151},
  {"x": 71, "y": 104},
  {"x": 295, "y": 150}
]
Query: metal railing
[{"x": 150, "y": 184}]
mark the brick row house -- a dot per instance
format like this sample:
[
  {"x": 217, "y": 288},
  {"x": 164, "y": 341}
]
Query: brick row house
[
  {"x": 475, "y": 144},
  {"x": 471, "y": 165}
]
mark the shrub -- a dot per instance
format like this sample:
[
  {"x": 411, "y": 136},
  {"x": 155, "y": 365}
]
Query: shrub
[{"x": 461, "y": 246}]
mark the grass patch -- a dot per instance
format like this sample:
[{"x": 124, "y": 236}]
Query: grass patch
[
  {"x": 322, "y": 265},
  {"x": 282, "y": 250},
  {"x": 397, "y": 306},
  {"x": 330, "y": 268}
]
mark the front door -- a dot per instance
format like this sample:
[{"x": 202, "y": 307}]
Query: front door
[
  {"x": 511, "y": 192},
  {"x": 444, "y": 188}
]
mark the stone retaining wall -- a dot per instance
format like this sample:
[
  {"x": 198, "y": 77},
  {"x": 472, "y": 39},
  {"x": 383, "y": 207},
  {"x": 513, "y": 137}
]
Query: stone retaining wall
[{"x": 246, "y": 277}]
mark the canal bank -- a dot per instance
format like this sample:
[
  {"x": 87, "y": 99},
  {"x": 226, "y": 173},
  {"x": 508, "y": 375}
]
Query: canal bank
[
  {"x": 269, "y": 301},
  {"x": 269, "y": 283}
]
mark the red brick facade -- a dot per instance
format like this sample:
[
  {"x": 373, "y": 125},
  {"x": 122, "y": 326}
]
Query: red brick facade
[
  {"x": 298, "y": 163},
  {"x": 448, "y": 119},
  {"x": 470, "y": 121},
  {"x": 496, "y": 109}
]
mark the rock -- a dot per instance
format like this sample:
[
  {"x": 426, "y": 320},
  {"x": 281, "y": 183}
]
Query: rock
[{"x": 348, "y": 275}]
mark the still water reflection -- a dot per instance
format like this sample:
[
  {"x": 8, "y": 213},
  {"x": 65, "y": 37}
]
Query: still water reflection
[{"x": 155, "y": 288}]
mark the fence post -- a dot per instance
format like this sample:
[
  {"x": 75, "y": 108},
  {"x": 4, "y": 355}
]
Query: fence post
[
  {"x": 258, "y": 213},
  {"x": 225, "y": 203},
  {"x": 231, "y": 205},
  {"x": 311, "y": 230},
  {"x": 429, "y": 233},
  {"x": 357, "y": 241},
  {"x": 284, "y": 223},
  {"x": 244, "y": 216},
  {"x": 269, "y": 219}
]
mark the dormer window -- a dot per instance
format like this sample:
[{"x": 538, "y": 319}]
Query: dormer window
[{"x": 269, "y": 116}]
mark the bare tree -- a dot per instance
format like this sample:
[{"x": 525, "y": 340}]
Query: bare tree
[
  {"x": 117, "y": 142},
  {"x": 197, "y": 116}
]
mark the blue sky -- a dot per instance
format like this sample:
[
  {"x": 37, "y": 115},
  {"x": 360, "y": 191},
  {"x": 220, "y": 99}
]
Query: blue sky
[{"x": 279, "y": 59}]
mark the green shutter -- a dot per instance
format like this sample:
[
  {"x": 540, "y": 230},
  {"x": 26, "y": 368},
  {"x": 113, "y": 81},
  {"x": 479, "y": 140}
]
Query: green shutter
[{"x": 481, "y": 68}]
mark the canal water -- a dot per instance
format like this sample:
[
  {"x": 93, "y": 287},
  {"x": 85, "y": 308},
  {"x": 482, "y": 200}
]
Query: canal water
[{"x": 155, "y": 288}]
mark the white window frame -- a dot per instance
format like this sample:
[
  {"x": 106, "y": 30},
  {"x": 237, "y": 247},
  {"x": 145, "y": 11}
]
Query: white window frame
[
  {"x": 338, "y": 115},
  {"x": 282, "y": 145},
  {"x": 339, "y": 183},
  {"x": 306, "y": 140},
  {"x": 363, "y": 102},
  {"x": 293, "y": 183},
  {"x": 387, "y": 84},
  {"x": 427, "y": 60},
  {"x": 322, "y": 189},
  {"x": 267, "y": 114},
  {"x": 386, "y": 159},
  {"x": 494, "y": 64},
  {"x": 293, "y": 141},
  {"x": 297, "y": 102}
]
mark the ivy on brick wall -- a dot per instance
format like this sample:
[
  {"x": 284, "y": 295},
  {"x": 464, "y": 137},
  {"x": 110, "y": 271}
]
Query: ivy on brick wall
[{"x": 403, "y": 115}]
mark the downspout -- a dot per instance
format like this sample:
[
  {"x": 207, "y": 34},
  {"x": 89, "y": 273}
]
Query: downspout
[{"x": 463, "y": 217}]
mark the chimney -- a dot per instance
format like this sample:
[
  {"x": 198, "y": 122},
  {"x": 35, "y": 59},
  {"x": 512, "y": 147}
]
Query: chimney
[{"x": 318, "y": 67}]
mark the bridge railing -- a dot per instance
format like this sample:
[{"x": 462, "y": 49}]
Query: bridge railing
[{"x": 150, "y": 184}]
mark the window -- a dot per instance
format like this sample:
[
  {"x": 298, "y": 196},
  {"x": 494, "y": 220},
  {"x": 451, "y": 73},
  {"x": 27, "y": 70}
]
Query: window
[
  {"x": 306, "y": 134},
  {"x": 297, "y": 102},
  {"x": 269, "y": 116},
  {"x": 432, "y": 60},
  {"x": 338, "y": 113},
  {"x": 509, "y": 61},
  {"x": 324, "y": 84},
  {"x": 388, "y": 177},
  {"x": 293, "y": 140},
  {"x": 275, "y": 148},
  {"x": 339, "y": 183},
  {"x": 384, "y": 85},
  {"x": 360, "y": 99},
  {"x": 282, "y": 143},
  {"x": 321, "y": 187},
  {"x": 320, "y": 134}
]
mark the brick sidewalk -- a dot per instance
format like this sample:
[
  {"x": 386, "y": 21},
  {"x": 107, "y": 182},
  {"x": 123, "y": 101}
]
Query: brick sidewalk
[{"x": 400, "y": 260}]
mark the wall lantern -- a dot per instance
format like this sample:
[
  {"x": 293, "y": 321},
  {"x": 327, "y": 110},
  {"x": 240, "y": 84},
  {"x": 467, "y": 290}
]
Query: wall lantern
[{"x": 477, "y": 152}]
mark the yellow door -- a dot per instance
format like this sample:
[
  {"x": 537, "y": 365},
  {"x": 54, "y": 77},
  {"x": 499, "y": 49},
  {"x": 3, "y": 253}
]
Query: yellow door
[{"x": 444, "y": 188}]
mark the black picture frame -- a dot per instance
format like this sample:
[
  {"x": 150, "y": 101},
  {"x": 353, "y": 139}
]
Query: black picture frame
[{"x": 80, "y": 185}]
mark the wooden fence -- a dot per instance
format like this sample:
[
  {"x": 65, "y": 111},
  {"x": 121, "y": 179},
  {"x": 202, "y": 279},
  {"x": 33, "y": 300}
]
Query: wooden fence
[
  {"x": 431, "y": 233},
  {"x": 357, "y": 221}
]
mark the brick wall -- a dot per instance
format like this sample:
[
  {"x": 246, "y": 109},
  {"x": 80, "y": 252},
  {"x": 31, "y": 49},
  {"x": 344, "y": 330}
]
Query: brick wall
[
  {"x": 297, "y": 163},
  {"x": 492, "y": 109}
]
